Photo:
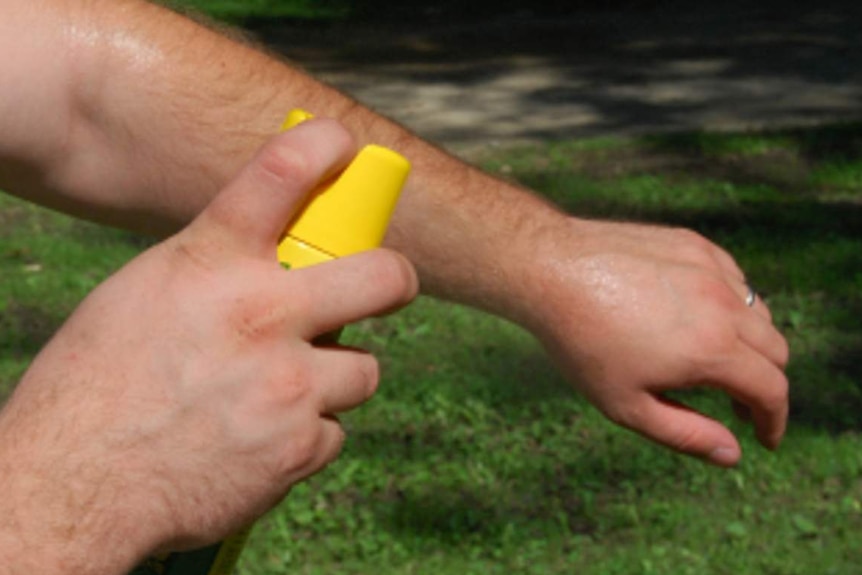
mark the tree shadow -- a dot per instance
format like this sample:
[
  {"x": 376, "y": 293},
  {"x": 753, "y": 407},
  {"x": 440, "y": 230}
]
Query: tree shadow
[
  {"x": 567, "y": 488},
  {"x": 24, "y": 330},
  {"x": 827, "y": 392},
  {"x": 560, "y": 71}
]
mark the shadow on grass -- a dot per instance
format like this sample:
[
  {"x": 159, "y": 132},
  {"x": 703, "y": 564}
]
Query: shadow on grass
[
  {"x": 828, "y": 397},
  {"x": 453, "y": 516},
  {"x": 25, "y": 329},
  {"x": 560, "y": 70},
  {"x": 552, "y": 482},
  {"x": 824, "y": 143}
]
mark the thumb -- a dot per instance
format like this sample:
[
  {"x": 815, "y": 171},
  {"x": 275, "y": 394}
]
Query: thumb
[{"x": 252, "y": 211}]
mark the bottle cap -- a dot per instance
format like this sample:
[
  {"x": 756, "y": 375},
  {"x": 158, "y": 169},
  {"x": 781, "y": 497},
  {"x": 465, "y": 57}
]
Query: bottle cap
[{"x": 349, "y": 214}]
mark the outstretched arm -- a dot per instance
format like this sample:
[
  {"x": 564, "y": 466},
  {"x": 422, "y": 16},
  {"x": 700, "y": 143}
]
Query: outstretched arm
[{"x": 125, "y": 102}]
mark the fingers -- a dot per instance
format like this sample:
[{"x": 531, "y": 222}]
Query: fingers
[
  {"x": 759, "y": 389},
  {"x": 758, "y": 384},
  {"x": 312, "y": 456},
  {"x": 352, "y": 288},
  {"x": 331, "y": 443},
  {"x": 751, "y": 373},
  {"x": 684, "y": 430},
  {"x": 758, "y": 332},
  {"x": 346, "y": 378},
  {"x": 755, "y": 378},
  {"x": 253, "y": 210},
  {"x": 728, "y": 264}
]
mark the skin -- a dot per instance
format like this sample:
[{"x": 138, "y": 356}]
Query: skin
[
  {"x": 152, "y": 114},
  {"x": 225, "y": 402}
]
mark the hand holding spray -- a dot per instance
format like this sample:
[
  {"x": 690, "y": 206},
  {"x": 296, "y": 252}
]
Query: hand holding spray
[{"x": 346, "y": 216}]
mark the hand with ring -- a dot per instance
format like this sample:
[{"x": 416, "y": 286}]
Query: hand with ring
[{"x": 638, "y": 311}]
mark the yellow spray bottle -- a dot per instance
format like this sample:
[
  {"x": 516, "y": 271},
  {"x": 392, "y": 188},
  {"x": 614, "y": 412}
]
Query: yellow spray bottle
[{"x": 347, "y": 216}]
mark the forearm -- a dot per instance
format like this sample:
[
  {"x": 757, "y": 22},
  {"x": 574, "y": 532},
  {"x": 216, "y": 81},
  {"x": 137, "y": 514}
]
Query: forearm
[
  {"x": 56, "y": 518},
  {"x": 159, "y": 112}
]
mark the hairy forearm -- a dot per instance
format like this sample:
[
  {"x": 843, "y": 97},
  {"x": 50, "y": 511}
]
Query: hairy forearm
[
  {"x": 58, "y": 518},
  {"x": 159, "y": 111}
]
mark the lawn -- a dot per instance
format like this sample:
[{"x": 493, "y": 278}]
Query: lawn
[
  {"x": 475, "y": 457},
  {"x": 237, "y": 11},
  {"x": 249, "y": 11}
]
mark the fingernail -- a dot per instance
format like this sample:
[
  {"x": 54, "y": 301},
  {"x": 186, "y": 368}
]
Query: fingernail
[{"x": 724, "y": 456}]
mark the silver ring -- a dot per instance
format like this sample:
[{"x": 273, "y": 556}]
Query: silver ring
[{"x": 751, "y": 298}]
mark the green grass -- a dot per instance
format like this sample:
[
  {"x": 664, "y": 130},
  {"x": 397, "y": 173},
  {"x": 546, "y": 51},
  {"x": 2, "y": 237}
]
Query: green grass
[
  {"x": 475, "y": 457},
  {"x": 249, "y": 11},
  {"x": 48, "y": 262},
  {"x": 236, "y": 11}
]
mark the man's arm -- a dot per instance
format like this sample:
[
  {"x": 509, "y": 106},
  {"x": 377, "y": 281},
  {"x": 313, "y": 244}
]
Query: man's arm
[
  {"x": 126, "y": 102},
  {"x": 141, "y": 99}
]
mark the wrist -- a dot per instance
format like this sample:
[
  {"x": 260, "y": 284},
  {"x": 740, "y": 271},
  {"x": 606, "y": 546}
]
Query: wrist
[
  {"x": 547, "y": 258},
  {"x": 473, "y": 238},
  {"x": 529, "y": 258}
]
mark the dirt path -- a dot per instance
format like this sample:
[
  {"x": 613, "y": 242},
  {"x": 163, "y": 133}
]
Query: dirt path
[{"x": 521, "y": 77}]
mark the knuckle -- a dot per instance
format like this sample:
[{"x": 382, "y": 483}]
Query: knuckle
[
  {"x": 328, "y": 449},
  {"x": 626, "y": 414},
  {"x": 695, "y": 246},
  {"x": 336, "y": 444},
  {"x": 313, "y": 449},
  {"x": 691, "y": 239},
  {"x": 718, "y": 293},
  {"x": 304, "y": 449},
  {"x": 293, "y": 385},
  {"x": 284, "y": 163}
]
